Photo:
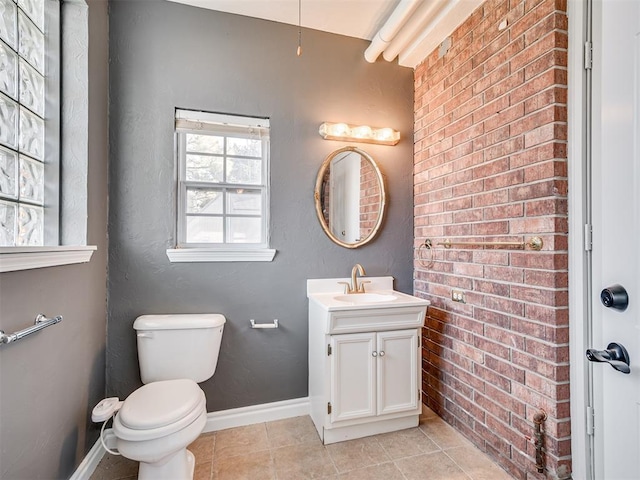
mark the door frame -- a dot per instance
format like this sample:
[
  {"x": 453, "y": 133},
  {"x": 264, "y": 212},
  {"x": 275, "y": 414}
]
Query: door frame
[{"x": 579, "y": 165}]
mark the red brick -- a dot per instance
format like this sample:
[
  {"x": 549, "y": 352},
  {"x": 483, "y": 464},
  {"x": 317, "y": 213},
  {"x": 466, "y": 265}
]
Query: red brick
[
  {"x": 513, "y": 210},
  {"x": 504, "y": 274},
  {"x": 505, "y": 368},
  {"x": 490, "y": 165},
  {"x": 551, "y": 78},
  {"x": 547, "y": 188},
  {"x": 505, "y": 117},
  {"x": 468, "y": 215},
  {"x": 507, "y": 179},
  {"x": 491, "y": 198},
  {"x": 505, "y": 337},
  {"x": 493, "y": 381},
  {"x": 493, "y": 288},
  {"x": 547, "y": 206},
  {"x": 539, "y": 153},
  {"x": 491, "y": 347},
  {"x": 505, "y": 305},
  {"x": 491, "y": 257},
  {"x": 554, "y": 95},
  {"x": 516, "y": 439},
  {"x": 493, "y": 408},
  {"x": 492, "y": 108},
  {"x": 491, "y": 228}
]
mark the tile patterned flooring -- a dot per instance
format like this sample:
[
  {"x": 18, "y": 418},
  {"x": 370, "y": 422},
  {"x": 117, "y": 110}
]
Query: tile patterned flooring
[{"x": 291, "y": 450}]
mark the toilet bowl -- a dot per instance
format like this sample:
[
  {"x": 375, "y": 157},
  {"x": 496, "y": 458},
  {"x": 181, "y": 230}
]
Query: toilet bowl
[{"x": 155, "y": 424}]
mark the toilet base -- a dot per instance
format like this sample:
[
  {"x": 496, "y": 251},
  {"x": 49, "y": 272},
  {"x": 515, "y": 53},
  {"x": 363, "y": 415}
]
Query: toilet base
[{"x": 179, "y": 466}]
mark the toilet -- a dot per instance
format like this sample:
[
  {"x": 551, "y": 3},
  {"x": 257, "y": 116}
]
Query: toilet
[{"x": 155, "y": 423}]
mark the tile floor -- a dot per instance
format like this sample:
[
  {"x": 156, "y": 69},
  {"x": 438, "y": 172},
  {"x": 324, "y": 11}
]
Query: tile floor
[{"x": 291, "y": 450}]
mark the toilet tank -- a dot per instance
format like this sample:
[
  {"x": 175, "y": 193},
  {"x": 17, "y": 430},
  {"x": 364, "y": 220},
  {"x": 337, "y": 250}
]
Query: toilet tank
[{"x": 178, "y": 346}]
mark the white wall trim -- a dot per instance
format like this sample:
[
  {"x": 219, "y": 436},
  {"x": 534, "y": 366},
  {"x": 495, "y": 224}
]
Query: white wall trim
[
  {"x": 90, "y": 462},
  {"x": 578, "y": 271},
  {"x": 25, "y": 258},
  {"x": 211, "y": 255},
  {"x": 235, "y": 417},
  {"x": 267, "y": 412}
]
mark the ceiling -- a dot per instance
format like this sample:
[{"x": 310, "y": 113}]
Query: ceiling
[
  {"x": 353, "y": 18},
  {"x": 404, "y": 29}
]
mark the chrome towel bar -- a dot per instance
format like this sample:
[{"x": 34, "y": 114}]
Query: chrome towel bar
[{"x": 40, "y": 322}]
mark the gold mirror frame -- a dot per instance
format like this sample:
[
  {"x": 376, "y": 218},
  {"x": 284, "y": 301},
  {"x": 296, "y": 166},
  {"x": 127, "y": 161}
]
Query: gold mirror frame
[{"x": 318, "y": 196}]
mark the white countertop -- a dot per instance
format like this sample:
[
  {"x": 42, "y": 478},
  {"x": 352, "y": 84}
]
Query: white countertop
[{"x": 329, "y": 295}]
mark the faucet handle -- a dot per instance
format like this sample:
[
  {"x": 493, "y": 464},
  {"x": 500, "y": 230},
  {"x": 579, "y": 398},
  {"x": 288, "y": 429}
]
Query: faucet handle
[
  {"x": 361, "y": 287},
  {"x": 347, "y": 287}
]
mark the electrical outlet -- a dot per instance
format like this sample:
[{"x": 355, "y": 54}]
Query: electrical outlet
[{"x": 458, "y": 296}]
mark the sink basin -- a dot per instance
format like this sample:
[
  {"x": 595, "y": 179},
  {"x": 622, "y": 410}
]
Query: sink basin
[{"x": 362, "y": 298}]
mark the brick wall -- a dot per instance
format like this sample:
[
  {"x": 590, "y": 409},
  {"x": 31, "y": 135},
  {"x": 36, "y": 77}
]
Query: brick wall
[
  {"x": 369, "y": 198},
  {"x": 490, "y": 165}
]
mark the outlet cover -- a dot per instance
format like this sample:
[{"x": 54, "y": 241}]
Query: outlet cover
[{"x": 458, "y": 296}]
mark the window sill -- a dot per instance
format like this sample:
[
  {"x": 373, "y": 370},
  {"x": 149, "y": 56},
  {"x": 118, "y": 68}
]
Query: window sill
[
  {"x": 180, "y": 255},
  {"x": 13, "y": 259}
]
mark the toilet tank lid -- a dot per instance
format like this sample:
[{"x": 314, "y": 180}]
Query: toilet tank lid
[{"x": 179, "y": 321}]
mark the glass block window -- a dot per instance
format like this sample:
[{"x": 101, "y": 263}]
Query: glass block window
[
  {"x": 223, "y": 164},
  {"x": 29, "y": 49}
]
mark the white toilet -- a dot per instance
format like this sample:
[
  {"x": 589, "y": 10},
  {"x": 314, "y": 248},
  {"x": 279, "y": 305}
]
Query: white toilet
[{"x": 155, "y": 423}]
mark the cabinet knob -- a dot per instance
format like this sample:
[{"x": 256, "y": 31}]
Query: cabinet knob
[
  {"x": 381, "y": 353},
  {"x": 374, "y": 354}
]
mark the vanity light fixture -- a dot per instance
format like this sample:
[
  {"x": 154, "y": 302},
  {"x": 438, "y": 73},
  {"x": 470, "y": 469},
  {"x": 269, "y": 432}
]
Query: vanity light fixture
[{"x": 359, "y": 133}]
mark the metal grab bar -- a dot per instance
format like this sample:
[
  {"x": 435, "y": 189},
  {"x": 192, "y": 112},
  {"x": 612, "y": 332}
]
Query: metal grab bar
[
  {"x": 535, "y": 243},
  {"x": 40, "y": 322}
]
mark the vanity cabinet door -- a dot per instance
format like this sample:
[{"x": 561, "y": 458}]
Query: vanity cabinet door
[
  {"x": 353, "y": 376},
  {"x": 397, "y": 371}
]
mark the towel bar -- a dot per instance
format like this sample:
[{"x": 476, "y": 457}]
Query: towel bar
[{"x": 40, "y": 322}]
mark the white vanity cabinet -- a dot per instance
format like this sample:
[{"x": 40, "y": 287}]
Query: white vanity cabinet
[
  {"x": 364, "y": 365},
  {"x": 373, "y": 374}
]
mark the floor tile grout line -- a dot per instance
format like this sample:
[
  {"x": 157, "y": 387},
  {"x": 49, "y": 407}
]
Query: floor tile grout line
[{"x": 459, "y": 466}]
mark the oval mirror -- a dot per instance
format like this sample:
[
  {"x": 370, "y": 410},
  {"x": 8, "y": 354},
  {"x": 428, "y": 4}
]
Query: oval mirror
[{"x": 350, "y": 197}]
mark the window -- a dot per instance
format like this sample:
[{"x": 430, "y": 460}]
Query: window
[
  {"x": 43, "y": 215},
  {"x": 223, "y": 187},
  {"x": 29, "y": 122}
]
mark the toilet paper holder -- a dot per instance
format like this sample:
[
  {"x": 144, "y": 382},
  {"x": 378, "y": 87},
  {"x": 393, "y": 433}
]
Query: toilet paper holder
[{"x": 264, "y": 325}]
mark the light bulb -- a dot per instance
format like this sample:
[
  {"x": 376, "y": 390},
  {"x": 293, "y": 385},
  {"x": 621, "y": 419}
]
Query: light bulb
[
  {"x": 362, "y": 131},
  {"x": 340, "y": 130}
]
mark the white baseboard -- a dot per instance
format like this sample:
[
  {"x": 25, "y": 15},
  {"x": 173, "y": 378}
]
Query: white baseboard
[
  {"x": 235, "y": 417},
  {"x": 89, "y": 463},
  {"x": 267, "y": 412}
]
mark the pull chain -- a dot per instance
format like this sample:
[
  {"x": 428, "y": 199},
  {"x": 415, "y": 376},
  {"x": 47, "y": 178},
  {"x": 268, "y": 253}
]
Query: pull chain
[{"x": 299, "y": 51}]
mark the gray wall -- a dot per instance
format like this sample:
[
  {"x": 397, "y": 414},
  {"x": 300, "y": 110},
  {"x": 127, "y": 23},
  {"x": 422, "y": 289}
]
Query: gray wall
[
  {"x": 50, "y": 381},
  {"x": 166, "y": 55}
]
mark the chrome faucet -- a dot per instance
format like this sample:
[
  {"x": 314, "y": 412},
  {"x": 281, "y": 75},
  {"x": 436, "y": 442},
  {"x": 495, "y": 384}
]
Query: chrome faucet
[{"x": 355, "y": 287}]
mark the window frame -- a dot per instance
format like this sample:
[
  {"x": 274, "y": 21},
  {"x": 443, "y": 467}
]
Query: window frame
[
  {"x": 72, "y": 151},
  {"x": 218, "y": 124}
]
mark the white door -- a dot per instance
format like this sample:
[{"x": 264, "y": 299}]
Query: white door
[
  {"x": 353, "y": 379},
  {"x": 398, "y": 371},
  {"x": 615, "y": 206}
]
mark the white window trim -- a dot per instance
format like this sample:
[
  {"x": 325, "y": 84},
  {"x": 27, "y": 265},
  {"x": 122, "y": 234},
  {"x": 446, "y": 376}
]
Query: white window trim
[
  {"x": 226, "y": 252},
  {"x": 185, "y": 255},
  {"x": 14, "y": 259}
]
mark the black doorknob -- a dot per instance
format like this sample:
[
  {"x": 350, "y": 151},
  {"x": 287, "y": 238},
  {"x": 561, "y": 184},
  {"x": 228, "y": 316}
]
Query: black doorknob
[
  {"x": 615, "y": 296},
  {"x": 615, "y": 355}
]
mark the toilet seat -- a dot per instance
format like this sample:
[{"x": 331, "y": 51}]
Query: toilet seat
[{"x": 159, "y": 409}]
